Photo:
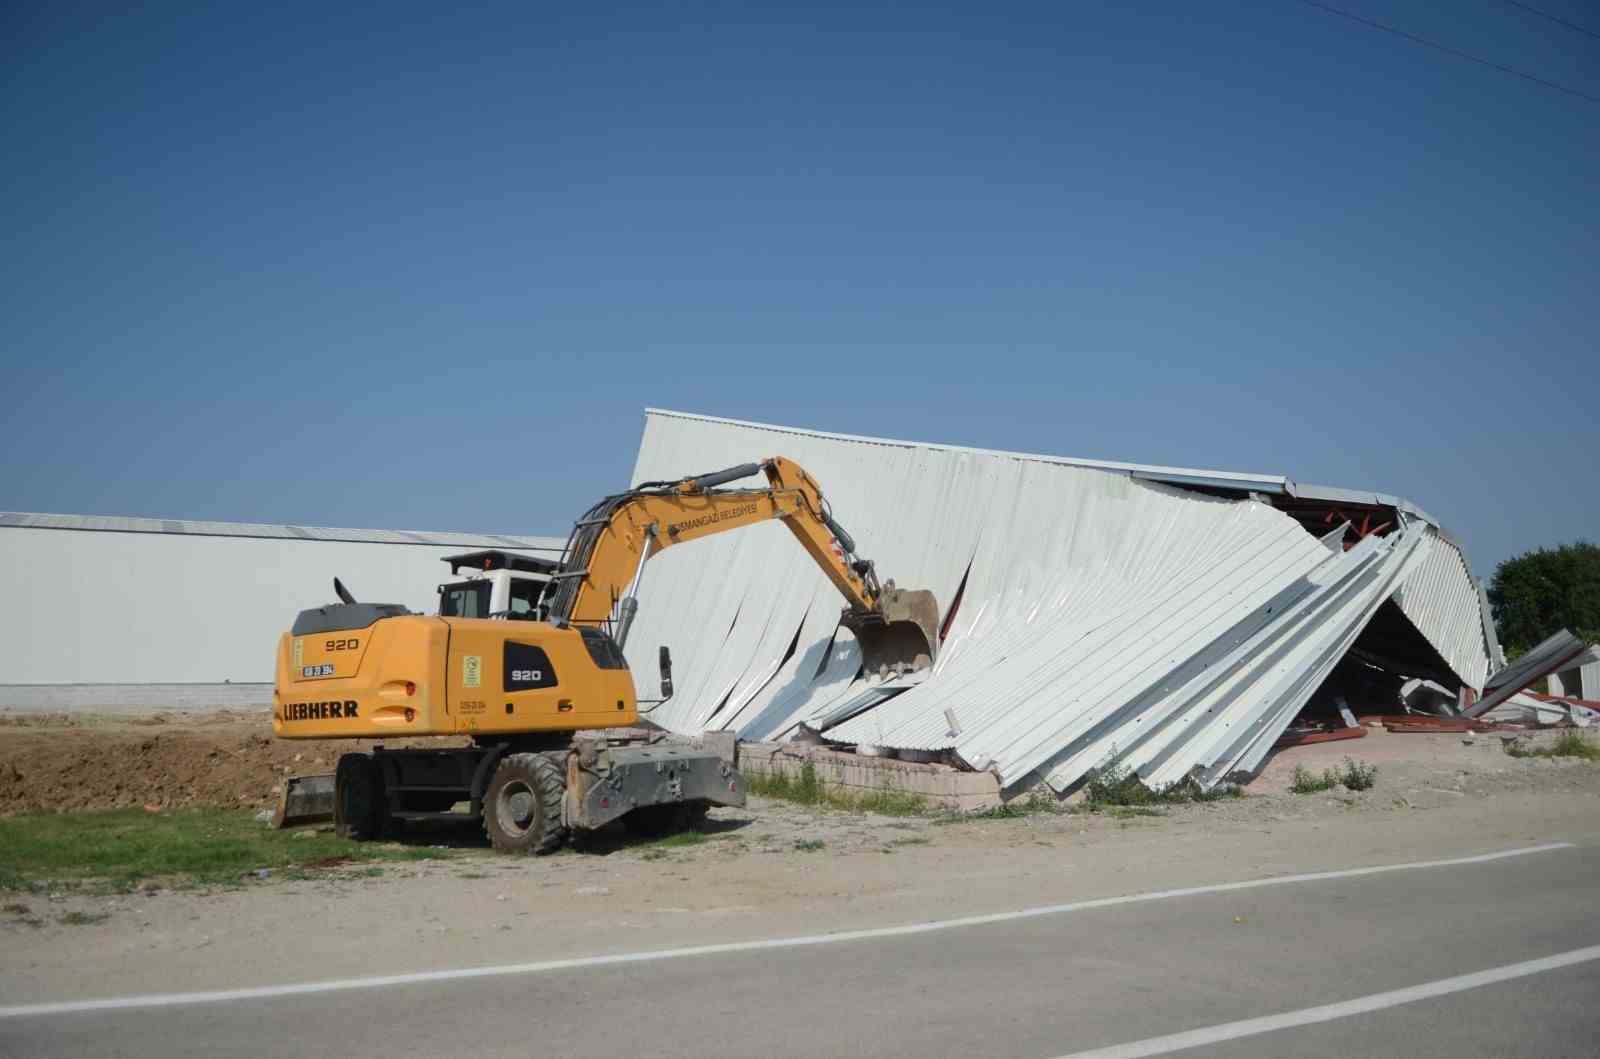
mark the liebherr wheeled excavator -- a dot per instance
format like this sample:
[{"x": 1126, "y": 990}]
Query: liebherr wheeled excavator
[{"x": 524, "y": 670}]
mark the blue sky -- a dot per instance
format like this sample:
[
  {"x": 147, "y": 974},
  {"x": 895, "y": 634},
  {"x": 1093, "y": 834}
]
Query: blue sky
[{"x": 423, "y": 267}]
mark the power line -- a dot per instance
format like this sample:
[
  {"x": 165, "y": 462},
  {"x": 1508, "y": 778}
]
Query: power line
[
  {"x": 1558, "y": 21},
  {"x": 1425, "y": 42}
]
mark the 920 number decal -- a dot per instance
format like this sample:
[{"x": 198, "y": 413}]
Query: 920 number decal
[{"x": 341, "y": 645}]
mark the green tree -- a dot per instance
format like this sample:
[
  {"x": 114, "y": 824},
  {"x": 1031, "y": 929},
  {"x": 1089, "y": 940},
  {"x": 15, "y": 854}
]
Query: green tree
[{"x": 1542, "y": 591}]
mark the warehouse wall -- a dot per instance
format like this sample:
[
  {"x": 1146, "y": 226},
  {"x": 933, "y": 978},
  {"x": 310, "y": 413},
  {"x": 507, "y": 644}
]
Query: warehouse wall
[
  {"x": 1580, "y": 681},
  {"x": 90, "y": 607}
]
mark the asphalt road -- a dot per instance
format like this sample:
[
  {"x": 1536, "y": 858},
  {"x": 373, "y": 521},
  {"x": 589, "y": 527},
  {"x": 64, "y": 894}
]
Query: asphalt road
[{"x": 1040, "y": 987}]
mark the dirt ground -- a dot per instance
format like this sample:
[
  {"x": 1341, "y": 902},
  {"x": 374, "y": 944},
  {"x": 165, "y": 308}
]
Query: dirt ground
[
  {"x": 60, "y": 761},
  {"x": 169, "y": 760},
  {"x": 770, "y": 866}
]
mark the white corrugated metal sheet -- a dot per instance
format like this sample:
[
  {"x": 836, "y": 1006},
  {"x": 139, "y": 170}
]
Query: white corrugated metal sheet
[
  {"x": 121, "y": 602},
  {"x": 1581, "y": 679},
  {"x": 1104, "y": 613},
  {"x": 191, "y": 527},
  {"x": 1444, "y": 603}
]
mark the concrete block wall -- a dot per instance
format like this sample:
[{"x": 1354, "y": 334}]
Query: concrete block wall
[{"x": 942, "y": 786}]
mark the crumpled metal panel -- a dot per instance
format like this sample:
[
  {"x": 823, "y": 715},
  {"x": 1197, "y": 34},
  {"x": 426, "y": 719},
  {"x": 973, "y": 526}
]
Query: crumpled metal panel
[
  {"x": 1105, "y": 614},
  {"x": 1556, "y": 652},
  {"x": 1443, "y": 602},
  {"x": 1050, "y": 648},
  {"x": 752, "y": 622}
]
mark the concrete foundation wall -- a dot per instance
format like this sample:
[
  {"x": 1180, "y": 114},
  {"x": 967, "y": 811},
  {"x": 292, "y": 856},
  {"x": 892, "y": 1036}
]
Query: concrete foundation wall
[{"x": 941, "y": 785}]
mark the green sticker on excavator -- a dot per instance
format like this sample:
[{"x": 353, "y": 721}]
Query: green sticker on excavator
[{"x": 471, "y": 671}]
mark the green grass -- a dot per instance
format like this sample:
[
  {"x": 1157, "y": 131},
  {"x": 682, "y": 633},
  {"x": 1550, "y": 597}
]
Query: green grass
[
  {"x": 1124, "y": 812},
  {"x": 117, "y": 849},
  {"x": 807, "y": 788},
  {"x": 1352, "y": 775},
  {"x": 809, "y": 845},
  {"x": 679, "y": 840},
  {"x": 1008, "y": 811},
  {"x": 1567, "y": 744}
]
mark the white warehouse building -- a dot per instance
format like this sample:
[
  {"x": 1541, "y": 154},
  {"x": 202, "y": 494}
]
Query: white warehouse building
[
  {"x": 1176, "y": 619},
  {"x": 158, "y": 612}
]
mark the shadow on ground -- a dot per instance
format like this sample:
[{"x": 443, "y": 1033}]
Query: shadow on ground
[{"x": 467, "y": 833}]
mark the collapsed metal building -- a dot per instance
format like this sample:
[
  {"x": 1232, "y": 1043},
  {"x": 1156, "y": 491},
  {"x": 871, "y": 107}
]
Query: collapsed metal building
[{"x": 1172, "y": 620}]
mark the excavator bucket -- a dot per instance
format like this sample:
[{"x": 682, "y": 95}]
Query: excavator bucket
[
  {"x": 902, "y": 636},
  {"x": 305, "y": 800}
]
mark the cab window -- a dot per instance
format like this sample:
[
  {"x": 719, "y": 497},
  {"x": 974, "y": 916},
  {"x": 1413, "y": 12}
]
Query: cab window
[
  {"x": 525, "y": 598},
  {"x": 469, "y": 599}
]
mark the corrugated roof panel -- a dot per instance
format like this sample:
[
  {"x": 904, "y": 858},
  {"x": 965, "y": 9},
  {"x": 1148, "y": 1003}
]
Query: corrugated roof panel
[
  {"x": 1443, "y": 602},
  {"x": 1155, "y": 472},
  {"x": 1051, "y": 657}
]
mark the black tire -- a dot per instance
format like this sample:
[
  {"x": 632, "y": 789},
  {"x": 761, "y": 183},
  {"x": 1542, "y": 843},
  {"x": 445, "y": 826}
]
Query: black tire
[
  {"x": 522, "y": 805},
  {"x": 360, "y": 802}
]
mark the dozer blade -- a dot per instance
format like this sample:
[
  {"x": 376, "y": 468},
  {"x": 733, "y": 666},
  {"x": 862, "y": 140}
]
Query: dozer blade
[
  {"x": 305, "y": 800},
  {"x": 902, "y": 637}
]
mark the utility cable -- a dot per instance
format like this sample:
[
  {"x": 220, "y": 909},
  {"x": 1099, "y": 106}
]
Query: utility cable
[
  {"x": 1424, "y": 41},
  {"x": 1558, "y": 21}
]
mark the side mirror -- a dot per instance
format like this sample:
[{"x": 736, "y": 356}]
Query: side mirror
[{"x": 666, "y": 672}]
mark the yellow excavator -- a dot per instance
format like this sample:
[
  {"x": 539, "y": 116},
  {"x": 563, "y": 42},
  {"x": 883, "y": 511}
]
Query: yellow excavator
[{"x": 525, "y": 658}]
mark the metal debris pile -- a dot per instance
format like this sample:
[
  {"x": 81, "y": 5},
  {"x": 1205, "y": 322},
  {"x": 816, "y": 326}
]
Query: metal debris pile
[{"x": 1171, "y": 620}]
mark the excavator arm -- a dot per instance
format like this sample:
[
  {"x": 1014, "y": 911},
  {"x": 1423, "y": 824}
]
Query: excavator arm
[{"x": 604, "y": 562}]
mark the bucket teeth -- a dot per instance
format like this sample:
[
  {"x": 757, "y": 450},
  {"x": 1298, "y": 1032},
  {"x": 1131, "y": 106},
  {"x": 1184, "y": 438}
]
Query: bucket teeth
[{"x": 902, "y": 636}]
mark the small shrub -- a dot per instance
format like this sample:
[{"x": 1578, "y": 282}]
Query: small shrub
[
  {"x": 809, "y": 845},
  {"x": 1352, "y": 775},
  {"x": 1569, "y": 743},
  {"x": 1304, "y": 781},
  {"x": 1190, "y": 791},
  {"x": 1358, "y": 775},
  {"x": 1118, "y": 785}
]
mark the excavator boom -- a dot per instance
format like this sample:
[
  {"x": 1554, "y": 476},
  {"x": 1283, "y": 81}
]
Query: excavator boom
[{"x": 597, "y": 585}]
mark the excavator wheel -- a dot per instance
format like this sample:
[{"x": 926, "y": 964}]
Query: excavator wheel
[
  {"x": 522, "y": 806},
  {"x": 360, "y": 803}
]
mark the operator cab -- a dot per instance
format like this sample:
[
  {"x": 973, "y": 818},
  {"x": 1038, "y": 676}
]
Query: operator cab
[{"x": 497, "y": 585}]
